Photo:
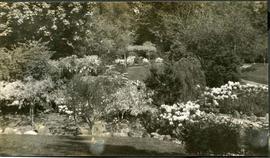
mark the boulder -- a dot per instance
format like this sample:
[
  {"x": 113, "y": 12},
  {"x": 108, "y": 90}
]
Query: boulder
[
  {"x": 244, "y": 116},
  {"x": 106, "y": 134},
  {"x": 236, "y": 114},
  {"x": 137, "y": 134},
  {"x": 146, "y": 135},
  {"x": 120, "y": 134},
  {"x": 153, "y": 134},
  {"x": 167, "y": 137},
  {"x": 253, "y": 118},
  {"x": 9, "y": 130},
  {"x": 30, "y": 132},
  {"x": 125, "y": 130},
  {"x": 84, "y": 131},
  {"x": 43, "y": 130}
]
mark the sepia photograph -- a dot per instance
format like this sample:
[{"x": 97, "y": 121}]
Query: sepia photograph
[{"x": 182, "y": 78}]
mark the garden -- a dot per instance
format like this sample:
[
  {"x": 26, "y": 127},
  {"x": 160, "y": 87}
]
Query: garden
[{"x": 167, "y": 76}]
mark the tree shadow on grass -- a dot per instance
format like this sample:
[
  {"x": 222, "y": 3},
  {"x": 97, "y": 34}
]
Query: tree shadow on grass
[{"x": 21, "y": 145}]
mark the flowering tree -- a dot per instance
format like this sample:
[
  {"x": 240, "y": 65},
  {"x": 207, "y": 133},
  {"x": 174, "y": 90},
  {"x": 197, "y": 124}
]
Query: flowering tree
[{"x": 30, "y": 93}]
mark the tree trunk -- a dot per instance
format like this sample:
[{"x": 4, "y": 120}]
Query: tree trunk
[
  {"x": 125, "y": 56},
  {"x": 32, "y": 114}
]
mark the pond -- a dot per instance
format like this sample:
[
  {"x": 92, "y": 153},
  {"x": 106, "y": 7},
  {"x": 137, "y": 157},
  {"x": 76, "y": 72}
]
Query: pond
[{"x": 30, "y": 145}]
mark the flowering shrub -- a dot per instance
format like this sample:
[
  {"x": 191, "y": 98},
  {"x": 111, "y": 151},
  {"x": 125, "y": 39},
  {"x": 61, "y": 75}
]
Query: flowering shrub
[
  {"x": 120, "y": 61},
  {"x": 235, "y": 96},
  {"x": 180, "y": 112},
  {"x": 29, "y": 93},
  {"x": 131, "y": 99},
  {"x": 67, "y": 67},
  {"x": 131, "y": 60},
  {"x": 89, "y": 96},
  {"x": 145, "y": 61},
  {"x": 158, "y": 60},
  {"x": 22, "y": 92}
]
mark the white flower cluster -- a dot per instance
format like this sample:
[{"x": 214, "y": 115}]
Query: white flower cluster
[
  {"x": 145, "y": 61},
  {"x": 17, "y": 92},
  {"x": 120, "y": 61},
  {"x": 64, "y": 109},
  {"x": 131, "y": 99},
  {"x": 230, "y": 91},
  {"x": 179, "y": 112},
  {"x": 130, "y": 60},
  {"x": 158, "y": 60},
  {"x": 84, "y": 65},
  {"x": 223, "y": 92}
]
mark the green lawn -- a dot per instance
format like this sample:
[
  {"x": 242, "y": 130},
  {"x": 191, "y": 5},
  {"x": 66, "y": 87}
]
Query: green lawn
[
  {"x": 138, "y": 72},
  {"x": 42, "y": 145},
  {"x": 260, "y": 74}
]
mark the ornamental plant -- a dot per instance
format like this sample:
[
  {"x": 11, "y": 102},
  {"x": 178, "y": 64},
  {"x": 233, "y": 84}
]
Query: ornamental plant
[
  {"x": 233, "y": 96},
  {"x": 131, "y": 99}
]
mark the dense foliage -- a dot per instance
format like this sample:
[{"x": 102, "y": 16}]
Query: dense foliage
[
  {"x": 179, "y": 81},
  {"x": 72, "y": 58}
]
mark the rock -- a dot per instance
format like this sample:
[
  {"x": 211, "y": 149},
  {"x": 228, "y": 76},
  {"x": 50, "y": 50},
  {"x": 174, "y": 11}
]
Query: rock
[
  {"x": 177, "y": 142},
  {"x": 120, "y": 134},
  {"x": 136, "y": 134},
  {"x": 106, "y": 134},
  {"x": 244, "y": 116},
  {"x": 146, "y": 135},
  {"x": 30, "y": 132},
  {"x": 236, "y": 114},
  {"x": 43, "y": 130},
  {"x": 167, "y": 137},
  {"x": 253, "y": 118},
  {"x": 26, "y": 128},
  {"x": 153, "y": 134},
  {"x": 18, "y": 132},
  {"x": 84, "y": 131},
  {"x": 9, "y": 130}
]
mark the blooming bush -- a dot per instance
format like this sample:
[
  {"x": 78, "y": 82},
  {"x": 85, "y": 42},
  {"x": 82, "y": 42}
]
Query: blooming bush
[
  {"x": 158, "y": 60},
  {"x": 131, "y": 99},
  {"x": 69, "y": 66},
  {"x": 26, "y": 94},
  {"x": 120, "y": 61},
  {"x": 233, "y": 96},
  {"x": 180, "y": 112},
  {"x": 131, "y": 60},
  {"x": 145, "y": 61}
]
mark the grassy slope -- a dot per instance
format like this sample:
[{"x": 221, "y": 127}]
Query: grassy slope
[
  {"x": 27, "y": 145},
  {"x": 260, "y": 74},
  {"x": 138, "y": 72}
]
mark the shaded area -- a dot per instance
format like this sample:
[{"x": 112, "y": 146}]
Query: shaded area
[{"x": 28, "y": 145}]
